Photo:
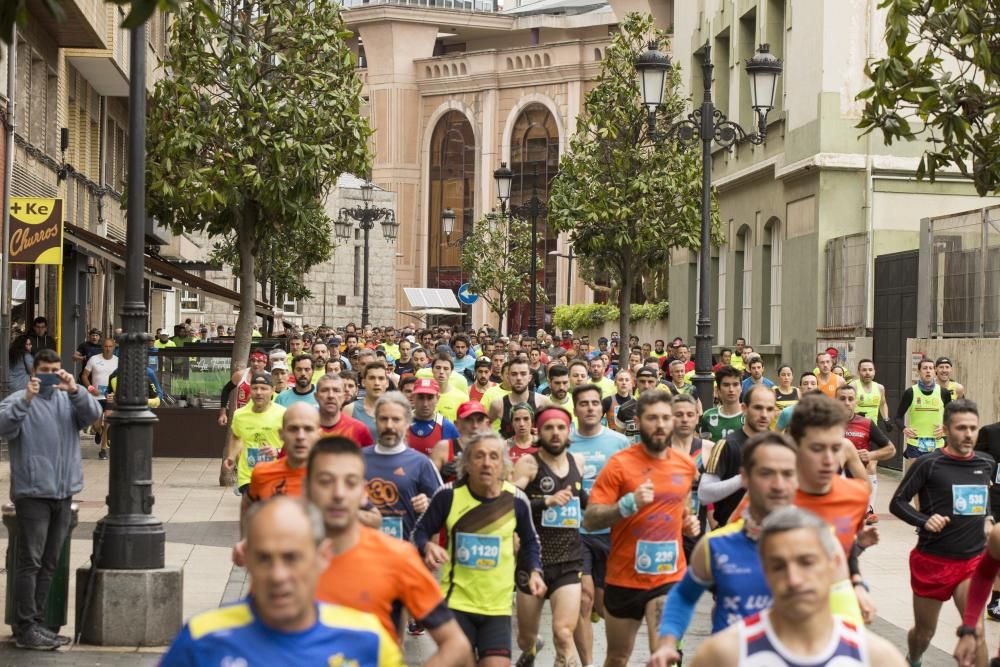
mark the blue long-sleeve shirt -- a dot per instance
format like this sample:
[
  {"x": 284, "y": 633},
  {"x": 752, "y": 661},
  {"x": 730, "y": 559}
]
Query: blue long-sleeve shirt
[{"x": 430, "y": 523}]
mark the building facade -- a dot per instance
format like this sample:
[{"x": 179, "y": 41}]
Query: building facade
[
  {"x": 455, "y": 88},
  {"x": 807, "y": 213}
]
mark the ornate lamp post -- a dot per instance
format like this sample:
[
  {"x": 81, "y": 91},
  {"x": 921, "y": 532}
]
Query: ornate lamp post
[
  {"x": 531, "y": 209},
  {"x": 366, "y": 216},
  {"x": 708, "y": 125}
]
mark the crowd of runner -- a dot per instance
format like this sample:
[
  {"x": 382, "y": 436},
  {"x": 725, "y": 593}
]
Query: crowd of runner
[{"x": 458, "y": 481}]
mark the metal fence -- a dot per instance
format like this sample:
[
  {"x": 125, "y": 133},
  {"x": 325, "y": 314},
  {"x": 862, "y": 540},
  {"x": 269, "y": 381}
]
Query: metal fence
[
  {"x": 960, "y": 267},
  {"x": 846, "y": 259}
]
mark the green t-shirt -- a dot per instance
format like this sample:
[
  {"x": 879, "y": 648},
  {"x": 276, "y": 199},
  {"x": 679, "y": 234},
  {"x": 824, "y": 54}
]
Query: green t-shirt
[
  {"x": 715, "y": 426},
  {"x": 255, "y": 430}
]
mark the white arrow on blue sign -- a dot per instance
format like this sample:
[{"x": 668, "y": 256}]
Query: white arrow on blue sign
[{"x": 466, "y": 296}]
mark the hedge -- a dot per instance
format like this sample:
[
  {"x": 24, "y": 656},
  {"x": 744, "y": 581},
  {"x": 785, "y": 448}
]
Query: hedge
[{"x": 593, "y": 315}]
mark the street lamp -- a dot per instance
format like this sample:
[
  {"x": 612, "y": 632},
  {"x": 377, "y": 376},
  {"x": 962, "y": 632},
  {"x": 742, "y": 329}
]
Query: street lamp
[
  {"x": 531, "y": 209},
  {"x": 709, "y": 125},
  {"x": 366, "y": 217},
  {"x": 569, "y": 271}
]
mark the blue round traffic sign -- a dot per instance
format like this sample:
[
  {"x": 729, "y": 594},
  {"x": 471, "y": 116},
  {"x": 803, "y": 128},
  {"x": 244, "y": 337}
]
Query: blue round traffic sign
[{"x": 466, "y": 296}]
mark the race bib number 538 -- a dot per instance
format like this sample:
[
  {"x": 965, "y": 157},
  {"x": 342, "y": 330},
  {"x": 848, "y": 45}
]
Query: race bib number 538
[{"x": 968, "y": 499}]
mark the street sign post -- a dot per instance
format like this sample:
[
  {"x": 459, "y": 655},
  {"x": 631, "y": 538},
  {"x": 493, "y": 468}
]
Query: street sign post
[{"x": 465, "y": 294}]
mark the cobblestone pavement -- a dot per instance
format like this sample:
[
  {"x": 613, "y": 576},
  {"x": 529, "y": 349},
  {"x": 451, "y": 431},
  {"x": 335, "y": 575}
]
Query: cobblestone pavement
[{"x": 201, "y": 521}]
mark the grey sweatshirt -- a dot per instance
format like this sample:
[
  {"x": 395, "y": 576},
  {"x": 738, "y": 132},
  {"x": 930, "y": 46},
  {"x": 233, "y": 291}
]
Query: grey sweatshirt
[{"x": 44, "y": 437}]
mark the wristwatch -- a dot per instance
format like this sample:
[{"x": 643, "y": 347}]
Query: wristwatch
[{"x": 965, "y": 631}]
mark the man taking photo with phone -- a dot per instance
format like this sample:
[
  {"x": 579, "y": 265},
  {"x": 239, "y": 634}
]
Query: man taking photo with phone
[{"x": 42, "y": 423}]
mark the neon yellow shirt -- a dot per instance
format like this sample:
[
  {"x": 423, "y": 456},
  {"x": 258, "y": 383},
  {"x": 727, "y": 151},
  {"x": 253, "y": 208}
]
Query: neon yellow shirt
[{"x": 255, "y": 430}]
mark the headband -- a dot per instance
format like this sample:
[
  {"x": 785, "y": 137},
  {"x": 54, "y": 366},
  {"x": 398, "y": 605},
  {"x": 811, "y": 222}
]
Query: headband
[
  {"x": 552, "y": 413},
  {"x": 523, "y": 406},
  {"x": 259, "y": 356}
]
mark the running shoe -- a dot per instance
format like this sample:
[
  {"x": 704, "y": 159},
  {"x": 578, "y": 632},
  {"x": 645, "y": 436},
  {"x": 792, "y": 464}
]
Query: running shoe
[
  {"x": 993, "y": 611},
  {"x": 871, "y": 519},
  {"x": 528, "y": 659},
  {"x": 103, "y": 455},
  {"x": 414, "y": 629}
]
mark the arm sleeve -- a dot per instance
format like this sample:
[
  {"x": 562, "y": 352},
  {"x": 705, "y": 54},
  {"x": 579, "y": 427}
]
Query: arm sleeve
[
  {"x": 420, "y": 592},
  {"x": 679, "y": 607},
  {"x": 946, "y": 396},
  {"x": 448, "y": 430},
  {"x": 904, "y": 405},
  {"x": 878, "y": 438},
  {"x": 430, "y": 478},
  {"x": 531, "y": 549},
  {"x": 900, "y": 504},
  {"x": 711, "y": 489},
  {"x": 12, "y": 413},
  {"x": 979, "y": 589},
  {"x": 226, "y": 390},
  {"x": 430, "y": 522}
]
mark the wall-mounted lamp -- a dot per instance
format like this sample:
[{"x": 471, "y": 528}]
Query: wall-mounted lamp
[{"x": 65, "y": 170}]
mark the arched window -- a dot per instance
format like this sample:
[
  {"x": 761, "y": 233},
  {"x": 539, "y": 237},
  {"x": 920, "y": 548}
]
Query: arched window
[
  {"x": 743, "y": 274},
  {"x": 452, "y": 185},
  {"x": 771, "y": 275},
  {"x": 534, "y": 159}
]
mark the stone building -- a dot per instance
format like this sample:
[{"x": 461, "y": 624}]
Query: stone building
[
  {"x": 807, "y": 214},
  {"x": 456, "y": 87}
]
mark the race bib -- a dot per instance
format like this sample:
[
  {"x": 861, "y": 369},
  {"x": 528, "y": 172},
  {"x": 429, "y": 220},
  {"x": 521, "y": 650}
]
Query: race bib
[
  {"x": 102, "y": 389},
  {"x": 253, "y": 456},
  {"x": 927, "y": 444},
  {"x": 479, "y": 552},
  {"x": 695, "y": 503},
  {"x": 656, "y": 557},
  {"x": 996, "y": 477},
  {"x": 968, "y": 499},
  {"x": 566, "y": 516},
  {"x": 393, "y": 526}
]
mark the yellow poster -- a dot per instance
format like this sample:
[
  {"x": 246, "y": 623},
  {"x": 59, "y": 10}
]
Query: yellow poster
[{"x": 36, "y": 230}]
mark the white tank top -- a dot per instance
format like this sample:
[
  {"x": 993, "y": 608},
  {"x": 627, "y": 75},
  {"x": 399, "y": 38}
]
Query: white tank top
[{"x": 760, "y": 646}]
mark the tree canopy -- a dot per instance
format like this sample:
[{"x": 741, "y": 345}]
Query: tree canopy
[
  {"x": 260, "y": 114},
  {"x": 625, "y": 199},
  {"x": 497, "y": 257},
  {"x": 940, "y": 81}
]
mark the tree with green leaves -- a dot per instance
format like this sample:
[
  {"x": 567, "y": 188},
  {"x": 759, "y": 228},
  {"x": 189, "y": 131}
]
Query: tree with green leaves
[
  {"x": 497, "y": 258},
  {"x": 940, "y": 81},
  {"x": 245, "y": 138},
  {"x": 624, "y": 199}
]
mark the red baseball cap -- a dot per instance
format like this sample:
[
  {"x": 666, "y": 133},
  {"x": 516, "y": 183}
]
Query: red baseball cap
[
  {"x": 470, "y": 408},
  {"x": 426, "y": 386}
]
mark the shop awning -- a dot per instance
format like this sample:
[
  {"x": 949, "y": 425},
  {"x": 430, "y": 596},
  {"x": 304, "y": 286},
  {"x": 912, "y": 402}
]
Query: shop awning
[
  {"x": 431, "y": 301},
  {"x": 158, "y": 270}
]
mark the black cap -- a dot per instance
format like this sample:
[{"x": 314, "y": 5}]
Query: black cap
[
  {"x": 645, "y": 372},
  {"x": 943, "y": 360},
  {"x": 483, "y": 362},
  {"x": 261, "y": 378}
]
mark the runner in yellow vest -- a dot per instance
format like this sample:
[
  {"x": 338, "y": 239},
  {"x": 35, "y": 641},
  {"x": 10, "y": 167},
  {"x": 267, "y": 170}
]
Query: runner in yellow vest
[
  {"x": 942, "y": 371},
  {"x": 870, "y": 394},
  {"x": 921, "y": 414},
  {"x": 481, "y": 513}
]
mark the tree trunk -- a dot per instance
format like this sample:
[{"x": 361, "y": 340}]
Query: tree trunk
[
  {"x": 244, "y": 324},
  {"x": 625, "y": 308}
]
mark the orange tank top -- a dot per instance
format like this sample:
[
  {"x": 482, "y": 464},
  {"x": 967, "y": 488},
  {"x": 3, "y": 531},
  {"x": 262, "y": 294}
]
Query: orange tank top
[{"x": 830, "y": 386}]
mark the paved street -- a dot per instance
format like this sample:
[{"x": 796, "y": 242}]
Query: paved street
[{"x": 201, "y": 520}]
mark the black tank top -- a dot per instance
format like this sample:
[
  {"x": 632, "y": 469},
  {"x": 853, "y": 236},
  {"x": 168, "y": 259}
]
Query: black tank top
[
  {"x": 506, "y": 423},
  {"x": 559, "y": 545}
]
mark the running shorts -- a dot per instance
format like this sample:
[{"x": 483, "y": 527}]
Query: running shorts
[
  {"x": 555, "y": 577},
  {"x": 631, "y": 603},
  {"x": 489, "y": 635},
  {"x": 936, "y": 577},
  {"x": 595, "y": 556}
]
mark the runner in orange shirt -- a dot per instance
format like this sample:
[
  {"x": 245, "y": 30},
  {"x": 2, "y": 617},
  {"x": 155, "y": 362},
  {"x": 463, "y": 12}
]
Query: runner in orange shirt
[
  {"x": 299, "y": 432},
  {"x": 817, "y": 426},
  {"x": 370, "y": 571},
  {"x": 643, "y": 495}
]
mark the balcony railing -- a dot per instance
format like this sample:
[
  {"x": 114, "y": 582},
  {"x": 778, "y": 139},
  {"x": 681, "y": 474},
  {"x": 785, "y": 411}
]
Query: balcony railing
[{"x": 460, "y": 5}]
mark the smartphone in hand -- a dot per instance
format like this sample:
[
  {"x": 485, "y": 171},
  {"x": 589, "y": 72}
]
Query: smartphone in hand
[{"x": 48, "y": 379}]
